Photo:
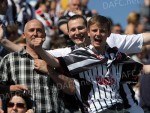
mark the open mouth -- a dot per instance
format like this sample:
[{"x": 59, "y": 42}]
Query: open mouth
[{"x": 98, "y": 39}]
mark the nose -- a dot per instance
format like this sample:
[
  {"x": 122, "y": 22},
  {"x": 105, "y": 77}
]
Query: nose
[
  {"x": 35, "y": 32},
  {"x": 76, "y": 31},
  {"x": 98, "y": 32},
  {"x": 15, "y": 107},
  {"x": 76, "y": 7}
]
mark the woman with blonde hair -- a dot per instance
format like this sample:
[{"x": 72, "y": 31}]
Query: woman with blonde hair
[{"x": 132, "y": 20}]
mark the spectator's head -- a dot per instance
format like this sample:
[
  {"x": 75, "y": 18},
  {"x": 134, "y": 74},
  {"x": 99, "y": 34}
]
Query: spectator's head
[
  {"x": 147, "y": 2},
  {"x": 94, "y": 12},
  {"x": 3, "y": 7},
  {"x": 99, "y": 28},
  {"x": 58, "y": 42},
  {"x": 53, "y": 4},
  {"x": 33, "y": 29},
  {"x": 77, "y": 29},
  {"x": 74, "y": 5},
  {"x": 44, "y": 5},
  {"x": 19, "y": 102},
  {"x": 133, "y": 17},
  {"x": 116, "y": 28},
  {"x": 84, "y": 2},
  {"x": 12, "y": 32}
]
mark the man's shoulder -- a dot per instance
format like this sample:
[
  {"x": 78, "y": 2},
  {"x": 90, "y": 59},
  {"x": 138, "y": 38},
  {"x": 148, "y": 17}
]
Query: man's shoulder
[{"x": 13, "y": 54}]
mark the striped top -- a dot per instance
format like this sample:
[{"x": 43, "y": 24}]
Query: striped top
[{"x": 97, "y": 79}]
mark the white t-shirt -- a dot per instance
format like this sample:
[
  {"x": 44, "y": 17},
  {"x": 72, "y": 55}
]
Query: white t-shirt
[{"x": 125, "y": 43}]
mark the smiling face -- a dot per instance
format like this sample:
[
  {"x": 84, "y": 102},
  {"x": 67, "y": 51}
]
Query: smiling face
[
  {"x": 98, "y": 36},
  {"x": 77, "y": 31},
  {"x": 14, "y": 108},
  {"x": 98, "y": 30}
]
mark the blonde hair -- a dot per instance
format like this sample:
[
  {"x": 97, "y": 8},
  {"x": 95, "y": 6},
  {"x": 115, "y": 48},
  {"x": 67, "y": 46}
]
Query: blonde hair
[{"x": 133, "y": 17}]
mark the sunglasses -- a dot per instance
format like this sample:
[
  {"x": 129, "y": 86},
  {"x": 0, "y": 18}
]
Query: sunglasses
[{"x": 18, "y": 105}]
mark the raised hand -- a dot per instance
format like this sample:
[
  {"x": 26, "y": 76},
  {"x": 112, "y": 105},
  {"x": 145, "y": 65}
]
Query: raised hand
[
  {"x": 36, "y": 43},
  {"x": 18, "y": 87}
]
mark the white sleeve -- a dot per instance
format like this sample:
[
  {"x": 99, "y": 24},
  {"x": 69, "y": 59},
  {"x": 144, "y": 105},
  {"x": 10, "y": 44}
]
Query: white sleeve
[
  {"x": 60, "y": 52},
  {"x": 126, "y": 43}
]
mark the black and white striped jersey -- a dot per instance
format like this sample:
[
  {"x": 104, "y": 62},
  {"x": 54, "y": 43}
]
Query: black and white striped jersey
[
  {"x": 126, "y": 44},
  {"x": 98, "y": 92},
  {"x": 97, "y": 80}
]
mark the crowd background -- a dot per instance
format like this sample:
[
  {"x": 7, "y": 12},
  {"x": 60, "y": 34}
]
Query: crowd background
[{"x": 54, "y": 13}]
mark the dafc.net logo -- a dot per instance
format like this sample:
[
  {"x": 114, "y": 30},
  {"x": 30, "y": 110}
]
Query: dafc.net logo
[{"x": 119, "y": 3}]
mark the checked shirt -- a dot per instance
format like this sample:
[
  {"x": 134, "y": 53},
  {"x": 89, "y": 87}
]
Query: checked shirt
[{"x": 18, "y": 68}]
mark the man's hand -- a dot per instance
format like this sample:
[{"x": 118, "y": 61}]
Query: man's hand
[
  {"x": 36, "y": 43},
  {"x": 18, "y": 87},
  {"x": 40, "y": 65}
]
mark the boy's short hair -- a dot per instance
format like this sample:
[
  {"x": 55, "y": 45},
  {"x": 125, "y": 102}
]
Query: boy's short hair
[{"x": 100, "y": 20}]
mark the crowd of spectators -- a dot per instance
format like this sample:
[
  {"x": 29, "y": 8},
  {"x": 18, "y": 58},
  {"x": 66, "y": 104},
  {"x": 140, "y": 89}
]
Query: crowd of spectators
[{"x": 54, "y": 14}]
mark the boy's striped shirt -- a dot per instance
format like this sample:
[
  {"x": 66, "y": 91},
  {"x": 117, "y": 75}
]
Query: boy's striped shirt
[{"x": 97, "y": 77}]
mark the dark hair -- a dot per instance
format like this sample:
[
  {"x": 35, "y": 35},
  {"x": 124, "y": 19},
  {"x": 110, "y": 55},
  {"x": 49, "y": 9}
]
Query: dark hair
[
  {"x": 100, "y": 20},
  {"x": 74, "y": 17},
  {"x": 58, "y": 42},
  {"x": 117, "y": 24},
  {"x": 3, "y": 6},
  {"x": 24, "y": 94}
]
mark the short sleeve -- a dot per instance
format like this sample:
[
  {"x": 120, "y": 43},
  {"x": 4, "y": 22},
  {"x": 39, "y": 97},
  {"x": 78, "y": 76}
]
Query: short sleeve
[{"x": 126, "y": 43}]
